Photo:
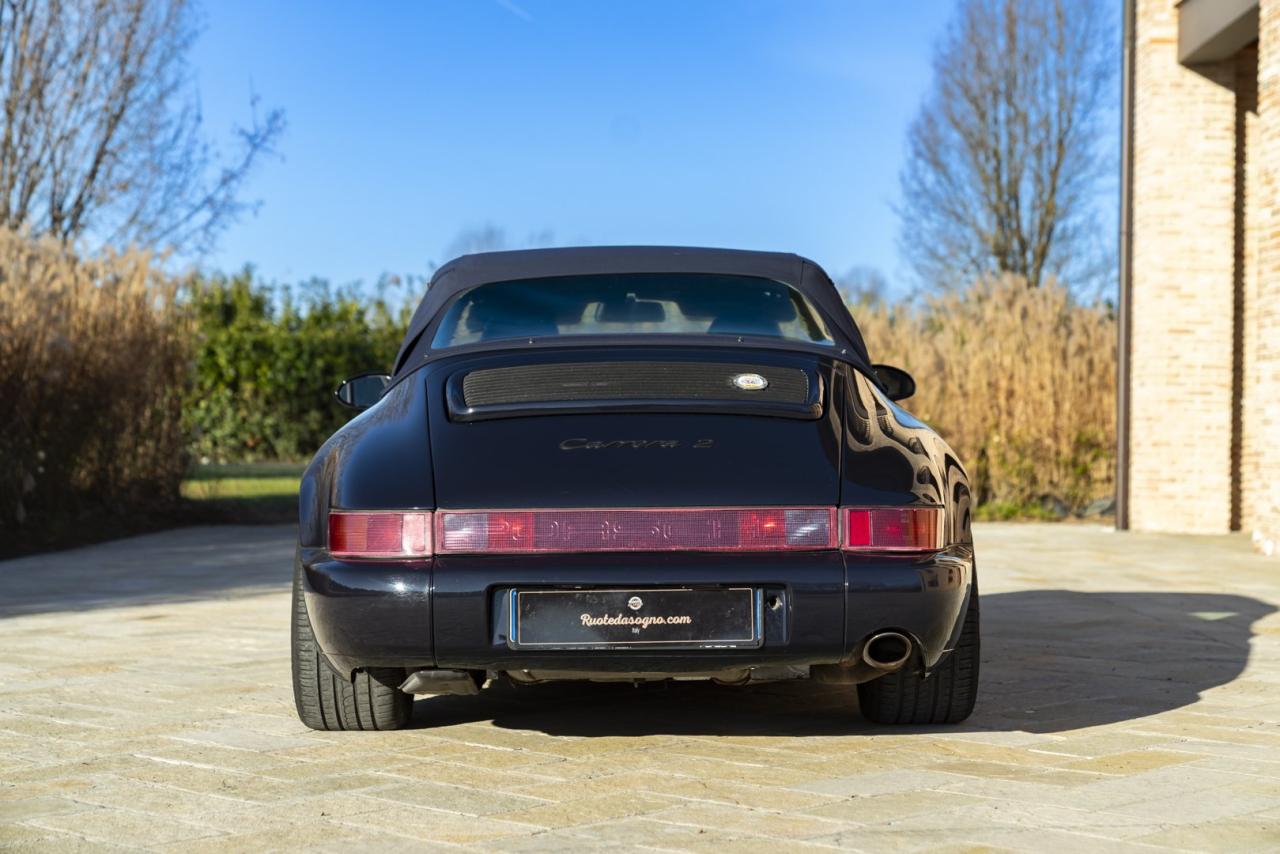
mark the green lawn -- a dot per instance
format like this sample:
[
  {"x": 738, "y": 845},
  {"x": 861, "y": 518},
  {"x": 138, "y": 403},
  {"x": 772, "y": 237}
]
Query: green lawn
[{"x": 245, "y": 492}]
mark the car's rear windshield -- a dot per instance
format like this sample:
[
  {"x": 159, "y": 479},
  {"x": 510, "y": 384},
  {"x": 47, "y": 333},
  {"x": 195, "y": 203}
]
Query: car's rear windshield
[{"x": 631, "y": 304}]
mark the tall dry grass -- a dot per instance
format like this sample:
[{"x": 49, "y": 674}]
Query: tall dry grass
[
  {"x": 1020, "y": 381},
  {"x": 94, "y": 355}
]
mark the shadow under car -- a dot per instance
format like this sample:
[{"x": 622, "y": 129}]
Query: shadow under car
[{"x": 1052, "y": 660}]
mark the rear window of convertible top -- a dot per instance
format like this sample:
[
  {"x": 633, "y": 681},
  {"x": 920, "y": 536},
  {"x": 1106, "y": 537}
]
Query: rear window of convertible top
[{"x": 630, "y": 304}]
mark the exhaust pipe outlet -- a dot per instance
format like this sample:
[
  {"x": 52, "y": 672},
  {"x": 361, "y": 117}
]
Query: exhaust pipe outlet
[
  {"x": 887, "y": 651},
  {"x": 464, "y": 682}
]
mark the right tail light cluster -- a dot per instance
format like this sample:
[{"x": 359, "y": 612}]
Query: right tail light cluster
[{"x": 891, "y": 529}]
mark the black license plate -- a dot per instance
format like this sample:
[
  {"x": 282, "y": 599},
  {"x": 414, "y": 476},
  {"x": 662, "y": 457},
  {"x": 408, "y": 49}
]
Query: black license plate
[{"x": 723, "y": 618}]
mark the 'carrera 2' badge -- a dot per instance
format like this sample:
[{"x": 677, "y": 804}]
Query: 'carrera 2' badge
[
  {"x": 632, "y": 444},
  {"x": 750, "y": 382}
]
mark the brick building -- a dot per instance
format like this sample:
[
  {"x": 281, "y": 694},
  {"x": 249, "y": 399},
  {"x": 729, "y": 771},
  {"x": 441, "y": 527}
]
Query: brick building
[{"x": 1200, "y": 282}]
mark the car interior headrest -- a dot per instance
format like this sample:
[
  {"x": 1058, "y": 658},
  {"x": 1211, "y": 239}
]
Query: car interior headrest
[
  {"x": 504, "y": 319},
  {"x": 631, "y": 311}
]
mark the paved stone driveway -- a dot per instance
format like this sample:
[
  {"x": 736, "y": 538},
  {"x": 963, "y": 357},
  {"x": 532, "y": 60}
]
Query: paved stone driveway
[{"x": 1131, "y": 700}]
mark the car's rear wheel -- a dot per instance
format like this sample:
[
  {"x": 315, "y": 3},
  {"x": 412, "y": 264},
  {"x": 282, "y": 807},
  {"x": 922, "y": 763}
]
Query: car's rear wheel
[
  {"x": 325, "y": 699},
  {"x": 946, "y": 696}
]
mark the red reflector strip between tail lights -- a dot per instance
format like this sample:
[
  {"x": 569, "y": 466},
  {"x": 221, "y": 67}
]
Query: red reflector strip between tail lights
[
  {"x": 384, "y": 535},
  {"x": 747, "y": 529},
  {"x": 892, "y": 529}
]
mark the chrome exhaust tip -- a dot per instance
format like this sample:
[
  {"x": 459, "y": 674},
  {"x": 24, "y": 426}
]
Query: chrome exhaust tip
[{"x": 887, "y": 651}]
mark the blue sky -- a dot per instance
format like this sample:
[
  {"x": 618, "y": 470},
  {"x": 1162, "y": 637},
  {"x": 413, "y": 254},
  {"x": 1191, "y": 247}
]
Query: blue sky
[{"x": 764, "y": 125}]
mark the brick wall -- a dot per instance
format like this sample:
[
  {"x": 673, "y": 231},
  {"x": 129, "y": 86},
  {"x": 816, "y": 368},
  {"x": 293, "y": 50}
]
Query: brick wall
[
  {"x": 1264, "y": 314},
  {"x": 1205, "y": 413},
  {"x": 1249, "y": 198},
  {"x": 1184, "y": 283}
]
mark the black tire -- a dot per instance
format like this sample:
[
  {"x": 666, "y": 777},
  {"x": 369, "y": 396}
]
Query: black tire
[
  {"x": 325, "y": 699},
  {"x": 945, "y": 697}
]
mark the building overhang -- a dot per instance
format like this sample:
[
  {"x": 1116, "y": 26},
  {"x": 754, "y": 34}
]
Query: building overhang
[{"x": 1210, "y": 30}]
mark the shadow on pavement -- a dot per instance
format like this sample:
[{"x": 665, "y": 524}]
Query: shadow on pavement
[
  {"x": 1053, "y": 660},
  {"x": 181, "y": 565}
]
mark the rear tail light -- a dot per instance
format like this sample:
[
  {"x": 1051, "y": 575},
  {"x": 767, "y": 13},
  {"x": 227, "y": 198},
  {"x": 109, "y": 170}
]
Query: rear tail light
[
  {"x": 636, "y": 530},
  {"x": 892, "y": 529},
  {"x": 400, "y": 535},
  {"x": 380, "y": 534}
]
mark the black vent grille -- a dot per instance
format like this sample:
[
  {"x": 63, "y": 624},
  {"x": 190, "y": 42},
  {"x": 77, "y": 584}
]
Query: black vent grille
[{"x": 626, "y": 381}]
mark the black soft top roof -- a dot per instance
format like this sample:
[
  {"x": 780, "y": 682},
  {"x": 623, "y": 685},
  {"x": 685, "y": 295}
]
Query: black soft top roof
[{"x": 467, "y": 271}]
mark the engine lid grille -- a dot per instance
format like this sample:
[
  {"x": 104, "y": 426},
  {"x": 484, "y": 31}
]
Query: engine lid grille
[{"x": 669, "y": 386}]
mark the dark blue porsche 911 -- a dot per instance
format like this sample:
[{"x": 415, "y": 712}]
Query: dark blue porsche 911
[{"x": 632, "y": 463}]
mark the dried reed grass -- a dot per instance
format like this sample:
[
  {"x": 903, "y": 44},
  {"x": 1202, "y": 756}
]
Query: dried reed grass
[
  {"x": 1020, "y": 381},
  {"x": 94, "y": 355}
]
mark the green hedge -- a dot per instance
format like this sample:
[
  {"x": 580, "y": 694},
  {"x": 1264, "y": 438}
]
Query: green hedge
[{"x": 268, "y": 360}]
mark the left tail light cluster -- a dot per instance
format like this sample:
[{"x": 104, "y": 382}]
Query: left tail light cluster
[{"x": 384, "y": 535}]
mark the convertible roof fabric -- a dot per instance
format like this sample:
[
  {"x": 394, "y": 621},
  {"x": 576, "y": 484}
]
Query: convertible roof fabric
[{"x": 466, "y": 272}]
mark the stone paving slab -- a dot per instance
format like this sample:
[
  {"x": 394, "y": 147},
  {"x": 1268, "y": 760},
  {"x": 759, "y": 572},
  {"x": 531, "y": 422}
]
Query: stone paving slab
[{"x": 1130, "y": 702}]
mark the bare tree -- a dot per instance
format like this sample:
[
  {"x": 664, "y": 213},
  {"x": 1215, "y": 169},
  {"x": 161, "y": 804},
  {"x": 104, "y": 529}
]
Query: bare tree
[
  {"x": 480, "y": 238},
  {"x": 102, "y": 135},
  {"x": 489, "y": 237},
  {"x": 1004, "y": 159},
  {"x": 862, "y": 286}
]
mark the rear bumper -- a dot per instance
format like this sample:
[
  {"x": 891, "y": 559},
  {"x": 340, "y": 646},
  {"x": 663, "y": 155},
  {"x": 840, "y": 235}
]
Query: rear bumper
[{"x": 452, "y": 612}]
